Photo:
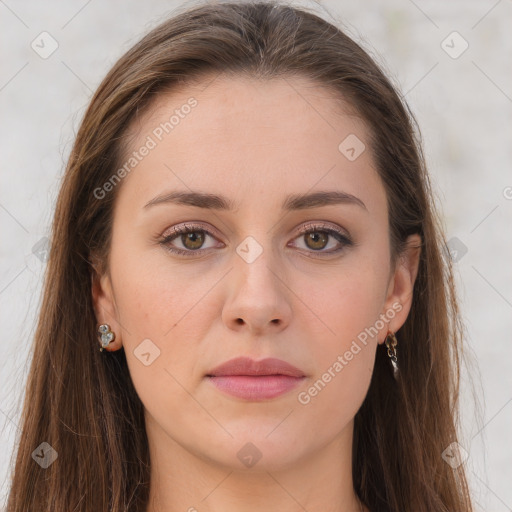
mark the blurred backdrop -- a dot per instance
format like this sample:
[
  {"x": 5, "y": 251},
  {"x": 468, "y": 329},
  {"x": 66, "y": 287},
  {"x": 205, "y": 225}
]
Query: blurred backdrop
[{"x": 451, "y": 60}]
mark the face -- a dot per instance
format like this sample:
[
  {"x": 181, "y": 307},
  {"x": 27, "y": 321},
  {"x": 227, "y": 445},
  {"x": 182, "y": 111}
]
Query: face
[{"x": 259, "y": 272}]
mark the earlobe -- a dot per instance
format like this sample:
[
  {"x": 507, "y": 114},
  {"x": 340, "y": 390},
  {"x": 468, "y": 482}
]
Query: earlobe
[
  {"x": 104, "y": 307},
  {"x": 400, "y": 293}
]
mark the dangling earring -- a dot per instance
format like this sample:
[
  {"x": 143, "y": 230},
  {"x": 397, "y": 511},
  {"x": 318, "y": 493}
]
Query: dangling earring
[
  {"x": 105, "y": 336},
  {"x": 392, "y": 352}
]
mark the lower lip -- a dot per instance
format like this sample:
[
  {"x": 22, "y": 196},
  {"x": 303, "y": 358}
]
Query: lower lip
[{"x": 261, "y": 387}]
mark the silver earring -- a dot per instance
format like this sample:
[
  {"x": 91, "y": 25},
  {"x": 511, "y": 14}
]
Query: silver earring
[
  {"x": 105, "y": 335},
  {"x": 392, "y": 352}
]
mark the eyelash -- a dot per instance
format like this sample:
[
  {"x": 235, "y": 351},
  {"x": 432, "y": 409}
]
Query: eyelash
[{"x": 303, "y": 230}]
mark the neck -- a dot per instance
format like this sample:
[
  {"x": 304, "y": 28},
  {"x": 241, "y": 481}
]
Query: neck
[{"x": 184, "y": 481}]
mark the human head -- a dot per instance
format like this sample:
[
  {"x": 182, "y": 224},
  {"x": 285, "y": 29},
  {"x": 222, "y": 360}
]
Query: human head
[{"x": 267, "y": 45}]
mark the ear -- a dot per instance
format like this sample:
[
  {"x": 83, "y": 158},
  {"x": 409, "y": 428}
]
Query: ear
[
  {"x": 400, "y": 291},
  {"x": 105, "y": 306}
]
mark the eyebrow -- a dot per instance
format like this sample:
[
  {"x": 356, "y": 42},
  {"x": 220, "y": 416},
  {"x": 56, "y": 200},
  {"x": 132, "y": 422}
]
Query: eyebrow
[{"x": 292, "y": 202}]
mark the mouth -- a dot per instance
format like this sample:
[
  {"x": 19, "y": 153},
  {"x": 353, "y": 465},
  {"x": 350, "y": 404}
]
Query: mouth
[{"x": 255, "y": 380}]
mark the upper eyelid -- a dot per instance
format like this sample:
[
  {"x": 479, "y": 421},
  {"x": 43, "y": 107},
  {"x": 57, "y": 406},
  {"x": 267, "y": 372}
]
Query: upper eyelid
[
  {"x": 322, "y": 225},
  {"x": 191, "y": 226},
  {"x": 188, "y": 226}
]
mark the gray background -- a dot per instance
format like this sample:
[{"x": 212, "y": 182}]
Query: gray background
[{"x": 464, "y": 108}]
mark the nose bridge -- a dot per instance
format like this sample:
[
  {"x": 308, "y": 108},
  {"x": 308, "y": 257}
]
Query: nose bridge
[
  {"x": 256, "y": 263},
  {"x": 258, "y": 297}
]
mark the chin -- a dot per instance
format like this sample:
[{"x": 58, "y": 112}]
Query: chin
[{"x": 254, "y": 450}]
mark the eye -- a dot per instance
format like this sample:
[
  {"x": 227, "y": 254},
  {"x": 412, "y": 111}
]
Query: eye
[
  {"x": 191, "y": 236},
  {"x": 319, "y": 236},
  {"x": 316, "y": 237}
]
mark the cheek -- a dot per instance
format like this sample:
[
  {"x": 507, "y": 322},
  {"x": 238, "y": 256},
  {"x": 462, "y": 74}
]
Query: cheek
[
  {"x": 161, "y": 334},
  {"x": 349, "y": 308},
  {"x": 350, "y": 303},
  {"x": 158, "y": 298},
  {"x": 345, "y": 353},
  {"x": 165, "y": 312}
]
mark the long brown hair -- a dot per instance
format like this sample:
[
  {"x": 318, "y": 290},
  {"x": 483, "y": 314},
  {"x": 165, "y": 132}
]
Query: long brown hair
[{"x": 83, "y": 403}]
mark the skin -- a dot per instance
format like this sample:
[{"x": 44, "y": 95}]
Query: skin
[{"x": 254, "y": 142}]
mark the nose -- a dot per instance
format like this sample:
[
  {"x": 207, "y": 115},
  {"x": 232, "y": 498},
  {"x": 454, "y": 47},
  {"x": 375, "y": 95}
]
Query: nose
[{"x": 259, "y": 302}]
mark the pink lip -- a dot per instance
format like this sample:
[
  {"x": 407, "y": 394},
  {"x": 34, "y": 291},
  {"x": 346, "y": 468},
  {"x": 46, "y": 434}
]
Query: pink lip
[{"x": 255, "y": 380}]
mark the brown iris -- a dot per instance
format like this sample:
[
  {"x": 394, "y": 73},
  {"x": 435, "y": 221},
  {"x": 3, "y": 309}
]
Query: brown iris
[
  {"x": 193, "y": 240},
  {"x": 317, "y": 237}
]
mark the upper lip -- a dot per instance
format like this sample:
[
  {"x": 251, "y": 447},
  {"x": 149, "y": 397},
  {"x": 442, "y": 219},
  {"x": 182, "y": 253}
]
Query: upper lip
[{"x": 248, "y": 366}]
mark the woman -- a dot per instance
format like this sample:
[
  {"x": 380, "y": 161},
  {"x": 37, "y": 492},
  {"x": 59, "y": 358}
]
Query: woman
[{"x": 246, "y": 232}]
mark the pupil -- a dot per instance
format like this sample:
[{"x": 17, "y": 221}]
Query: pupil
[
  {"x": 318, "y": 237},
  {"x": 193, "y": 238}
]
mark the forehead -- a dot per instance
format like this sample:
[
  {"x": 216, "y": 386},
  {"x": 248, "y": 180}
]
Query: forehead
[{"x": 265, "y": 137}]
